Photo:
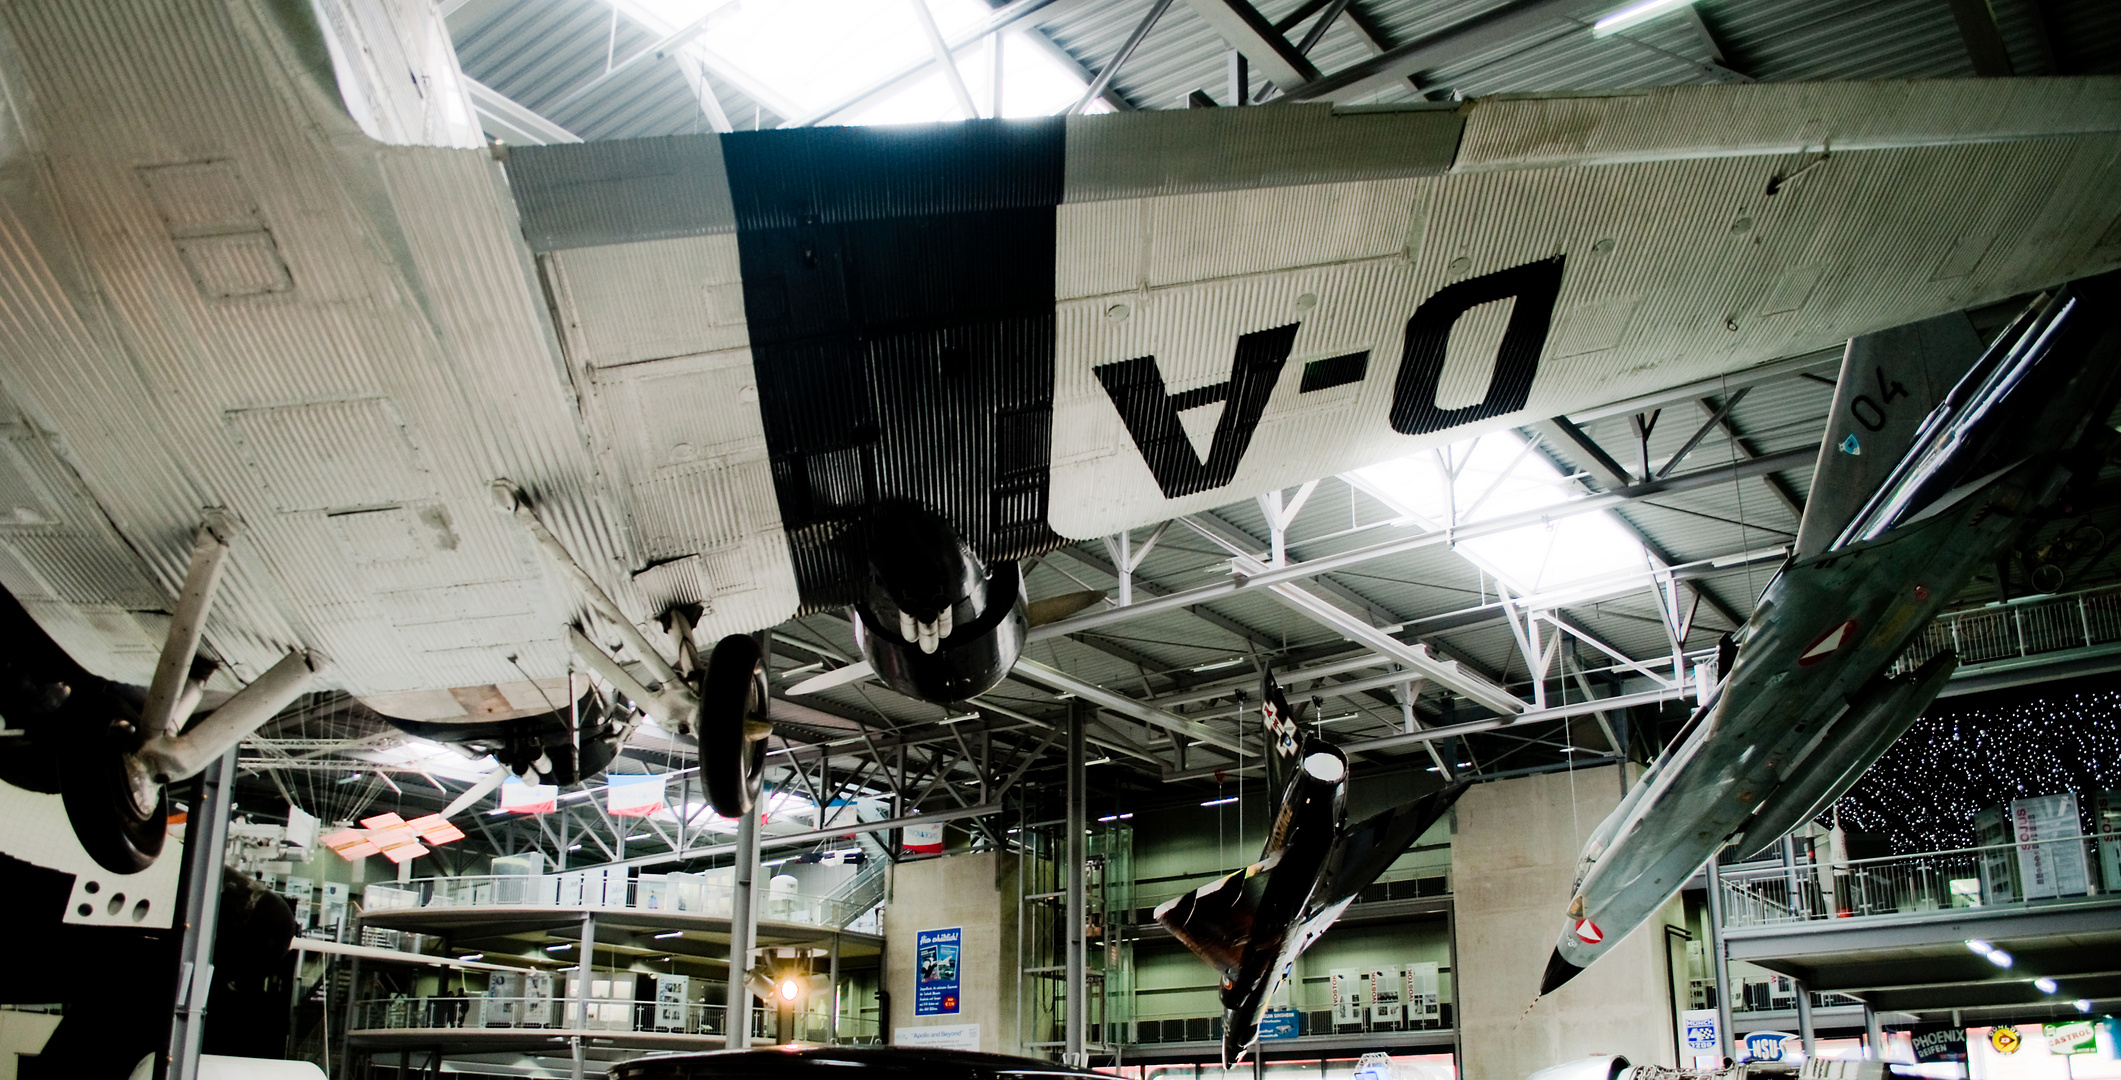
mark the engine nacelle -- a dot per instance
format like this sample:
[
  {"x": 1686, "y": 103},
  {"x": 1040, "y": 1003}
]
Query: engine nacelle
[{"x": 971, "y": 661}]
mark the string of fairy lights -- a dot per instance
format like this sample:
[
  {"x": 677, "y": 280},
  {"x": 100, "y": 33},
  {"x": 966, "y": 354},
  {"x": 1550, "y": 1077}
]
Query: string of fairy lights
[{"x": 1974, "y": 753}]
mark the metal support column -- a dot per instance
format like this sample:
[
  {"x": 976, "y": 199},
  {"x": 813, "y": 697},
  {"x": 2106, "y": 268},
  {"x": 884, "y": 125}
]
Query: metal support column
[
  {"x": 1804, "y": 1018},
  {"x": 1723, "y": 962},
  {"x": 1873, "y": 1035},
  {"x": 584, "y": 974},
  {"x": 832, "y": 1025},
  {"x": 205, "y": 847},
  {"x": 743, "y": 931},
  {"x": 1077, "y": 989}
]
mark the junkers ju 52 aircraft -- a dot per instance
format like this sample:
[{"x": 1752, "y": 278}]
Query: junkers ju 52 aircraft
[
  {"x": 1251, "y": 925},
  {"x": 280, "y": 328},
  {"x": 1938, "y": 454}
]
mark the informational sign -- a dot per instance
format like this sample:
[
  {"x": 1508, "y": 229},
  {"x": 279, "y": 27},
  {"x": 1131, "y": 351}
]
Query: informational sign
[
  {"x": 2050, "y": 849},
  {"x": 670, "y": 994},
  {"x": 335, "y": 897},
  {"x": 1347, "y": 991},
  {"x": 1999, "y": 867},
  {"x": 504, "y": 999},
  {"x": 2004, "y": 1039},
  {"x": 537, "y": 999},
  {"x": 1938, "y": 1042},
  {"x": 1420, "y": 989},
  {"x": 1385, "y": 987},
  {"x": 2073, "y": 1037},
  {"x": 1279, "y": 1024},
  {"x": 1698, "y": 1031},
  {"x": 2106, "y": 822},
  {"x": 1770, "y": 1045},
  {"x": 924, "y": 839},
  {"x": 935, "y": 974},
  {"x": 300, "y": 890},
  {"x": 937, "y": 1037}
]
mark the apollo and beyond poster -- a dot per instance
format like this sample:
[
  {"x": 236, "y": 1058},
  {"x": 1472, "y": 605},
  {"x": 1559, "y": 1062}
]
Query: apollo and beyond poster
[{"x": 935, "y": 978}]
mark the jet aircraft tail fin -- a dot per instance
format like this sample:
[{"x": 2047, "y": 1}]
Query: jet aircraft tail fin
[
  {"x": 1214, "y": 921},
  {"x": 1890, "y": 382},
  {"x": 1284, "y": 741}
]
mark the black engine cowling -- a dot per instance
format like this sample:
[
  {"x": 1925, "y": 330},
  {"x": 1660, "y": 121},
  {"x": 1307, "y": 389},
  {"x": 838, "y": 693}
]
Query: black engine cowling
[{"x": 934, "y": 621}]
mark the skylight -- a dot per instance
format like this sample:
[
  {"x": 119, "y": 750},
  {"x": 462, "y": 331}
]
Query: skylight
[
  {"x": 1496, "y": 475},
  {"x": 800, "y": 56}
]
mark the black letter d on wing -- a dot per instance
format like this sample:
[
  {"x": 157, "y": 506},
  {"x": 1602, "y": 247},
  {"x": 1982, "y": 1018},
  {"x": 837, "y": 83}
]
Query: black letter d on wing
[{"x": 1535, "y": 285}]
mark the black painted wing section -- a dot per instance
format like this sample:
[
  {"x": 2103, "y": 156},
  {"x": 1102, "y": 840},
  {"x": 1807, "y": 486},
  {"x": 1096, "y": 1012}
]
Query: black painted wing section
[
  {"x": 899, "y": 287},
  {"x": 1363, "y": 850}
]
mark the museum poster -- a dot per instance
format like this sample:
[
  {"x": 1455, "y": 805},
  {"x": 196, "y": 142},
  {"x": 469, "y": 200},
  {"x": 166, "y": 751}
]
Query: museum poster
[
  {"x": 1347, "y": 996},
  {"x": 2050, "y": 848},
  {"x": 1424, "y": 1003},
  {"x": 2106, "y": 821},
  {"x": 1385, "y": 987},
  {"x": 671, "y": 993},
  {"x": 935, "y": 991}
]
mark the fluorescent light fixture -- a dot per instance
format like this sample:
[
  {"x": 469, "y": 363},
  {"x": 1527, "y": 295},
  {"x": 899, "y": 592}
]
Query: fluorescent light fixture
[
  {"x": 960, "y": 718},
  {"x": 1999, "y": 958},
  {"x": 473, "y": 956},
  {"x": 2046, "y": 985},
  {"x": 1107, "y": 760},
  {"x": 638, "y": 836},
  {"x": 1615, "y": 21},
  {"x": 1979, "y": 947},
  {"x": 561, "y": 947},
  {"x": 1216, "y": 664},
  {"x": 2082, "y": 1005},
  {"x": 669, "y": 935},
  {"x": 1220, "y": 802},
  {"x": 574, "y": 847}
]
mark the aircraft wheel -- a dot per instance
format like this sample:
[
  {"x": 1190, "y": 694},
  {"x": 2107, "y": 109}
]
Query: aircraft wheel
[
  {"x": 119, "y": 813},
  {"x": 732, "y": 701}
]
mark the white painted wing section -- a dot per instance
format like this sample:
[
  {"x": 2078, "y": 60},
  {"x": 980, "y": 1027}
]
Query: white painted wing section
[
  {"x": 1897, "y": 201},
  {"x": 217, "y": 290}
]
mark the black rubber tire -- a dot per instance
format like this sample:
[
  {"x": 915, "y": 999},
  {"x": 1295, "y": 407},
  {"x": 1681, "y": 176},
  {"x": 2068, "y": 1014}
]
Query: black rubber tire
[
  {"x": 732, "y": 690},
  {"x": 94, "y": 787}
]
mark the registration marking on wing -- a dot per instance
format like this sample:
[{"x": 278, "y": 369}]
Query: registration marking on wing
[{"x": 1825, "y": 644}]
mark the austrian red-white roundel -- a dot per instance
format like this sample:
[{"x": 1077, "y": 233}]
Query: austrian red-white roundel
[
  {"x": 1588, "y": 932},
  {"x": 1825, "y": 644}
]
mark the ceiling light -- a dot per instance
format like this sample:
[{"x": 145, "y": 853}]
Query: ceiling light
[
  {"x": 671, "y": 934},
  {"x": 960, "y": 718},
  {"x": 2046, "y": 985},
  {"x": 1220, "y": 802},
  {"x": 1107, "y": 760},
  {"x": 561, "y": 947},
  {"x": 1978, "y": 946},
  {"x": 638, "y": 836},
  {"x": 1216, "y": 664},
  {"x": 1999, "y": 958},
  {"x": 472, "y": 956},
  {"x": 1634, "y": 14},
  {"x": 2083, "y": 1005}
]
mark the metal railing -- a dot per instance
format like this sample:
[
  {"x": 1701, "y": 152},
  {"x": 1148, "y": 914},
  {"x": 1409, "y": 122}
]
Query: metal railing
[
  {"x": 1997, "y": 876},
  {"x": 2031, "y": 626},
  {"x": 599, "y": 890},
  {"x": 482, "y": 1013}
]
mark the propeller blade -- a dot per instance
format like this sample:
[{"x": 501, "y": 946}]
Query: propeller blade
[
  {"x": 477, "y": 791},
  {"x": 1056, "y": 608},
  {"x": 829, "y": 679}
]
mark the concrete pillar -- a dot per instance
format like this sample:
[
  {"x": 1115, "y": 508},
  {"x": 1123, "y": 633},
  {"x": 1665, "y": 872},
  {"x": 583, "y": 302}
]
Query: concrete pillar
[
  {"x": 1873, "y": 1035},
  {"x": 743, "y": 932},
  {"x": 977, "y": 893},
  {"x": 584, "y": 972},
  {"x": 1804, "y": 1018},
  {"x": 1513, "y": 865}
]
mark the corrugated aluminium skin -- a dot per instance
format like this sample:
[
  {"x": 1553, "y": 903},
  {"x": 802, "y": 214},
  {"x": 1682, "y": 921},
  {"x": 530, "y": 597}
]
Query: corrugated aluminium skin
[{"x": 373, "y": 339}]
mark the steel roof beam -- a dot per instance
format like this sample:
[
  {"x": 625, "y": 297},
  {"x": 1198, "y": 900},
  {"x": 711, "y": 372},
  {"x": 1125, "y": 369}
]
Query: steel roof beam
[
  {"x": 1527, "y": 25},
  {"x": 1241, "y": 25},
  {"x": 531, "y": 128},
  {"x": 1268, "y": 578}
]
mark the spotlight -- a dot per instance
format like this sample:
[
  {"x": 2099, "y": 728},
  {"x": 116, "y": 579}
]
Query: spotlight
[
  {"x": 2046, "y": 985},
  {"x": 790, "y": 991}
]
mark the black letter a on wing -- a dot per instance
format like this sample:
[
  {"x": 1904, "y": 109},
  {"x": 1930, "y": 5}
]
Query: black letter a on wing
[
  {"x": 1536, "y": 286},
  {"x": 1151, "y": 413}
]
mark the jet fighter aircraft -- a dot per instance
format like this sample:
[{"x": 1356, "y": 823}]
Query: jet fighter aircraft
[
  {"x": 1918, "y": 487},
  {"x": 258, "y": 257},
  {"x": 1251, "y": 925}
]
